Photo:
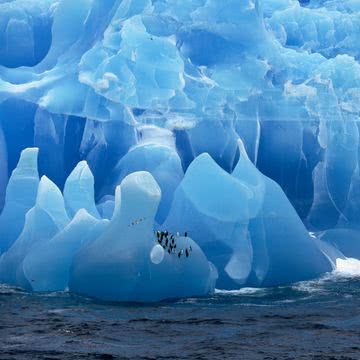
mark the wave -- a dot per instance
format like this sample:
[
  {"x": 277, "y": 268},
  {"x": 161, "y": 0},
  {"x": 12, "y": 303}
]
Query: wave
[
  {"x": 243, "y": 291},
  {"x": 348, "y": 268}
]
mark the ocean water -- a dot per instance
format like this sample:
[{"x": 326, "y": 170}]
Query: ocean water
[{"x": 317, "y": 319}]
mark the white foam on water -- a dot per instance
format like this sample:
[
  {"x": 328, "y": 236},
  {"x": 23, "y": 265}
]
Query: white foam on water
[
  {"x": 310, "y": 286},
  {"x": 347, "y": 268},
  {"x": 344, "y": 268},
  {"x": 243, "y": 291}
]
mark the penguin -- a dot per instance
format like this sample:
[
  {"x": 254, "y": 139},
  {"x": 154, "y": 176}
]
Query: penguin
[
  {"x": 179, "y": 254},
  {"x": 185, "y": 234},
  {"x": 187, "y": 253},
  {"x": 166, "y": 242}
]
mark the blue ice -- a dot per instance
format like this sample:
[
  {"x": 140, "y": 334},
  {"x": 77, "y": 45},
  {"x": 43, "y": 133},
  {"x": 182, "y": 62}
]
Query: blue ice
[{"x": 228, "y": 128}]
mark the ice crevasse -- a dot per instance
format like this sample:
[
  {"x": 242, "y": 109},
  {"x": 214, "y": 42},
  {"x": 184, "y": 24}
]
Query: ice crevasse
[{"x": 157, "y": 149}]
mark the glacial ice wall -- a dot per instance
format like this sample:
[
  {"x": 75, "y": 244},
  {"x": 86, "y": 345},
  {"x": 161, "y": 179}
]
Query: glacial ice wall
[{"x": 126, "y": 124}]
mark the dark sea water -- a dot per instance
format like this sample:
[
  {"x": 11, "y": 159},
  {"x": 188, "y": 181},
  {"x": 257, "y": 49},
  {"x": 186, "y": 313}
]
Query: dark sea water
[{"x": 310, "y": 320}]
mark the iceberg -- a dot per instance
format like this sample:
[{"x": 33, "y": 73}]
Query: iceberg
[
  {"x": 284, "y": 251},
  {"x": 126, "y": 264},
  {"x": 157, "y": 149},
  {"x": 247, "y": 228}
]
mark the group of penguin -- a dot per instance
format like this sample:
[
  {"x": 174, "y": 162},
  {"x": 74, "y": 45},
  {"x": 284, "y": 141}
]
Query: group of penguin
[{"x": 168, "y": 242}]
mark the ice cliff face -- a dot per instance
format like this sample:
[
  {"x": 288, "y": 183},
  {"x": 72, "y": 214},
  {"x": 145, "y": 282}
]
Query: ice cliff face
[{"x": 125, "y": 124}]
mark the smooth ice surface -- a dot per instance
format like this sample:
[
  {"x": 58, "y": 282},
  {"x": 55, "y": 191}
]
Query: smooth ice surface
[
  {"x": 47, "y": 266},
  {"x": 250, "y": 230},
  {"x": 121, "y": 265},
  {"x": 42, "y": 222},
  {"x": 235, "y": 122},
  {"x": 20, "y": 198},
  {"x": 161, "y": 161},
  {"x": 79, "y": 191},
  {"x": 283, "y": 250}
]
